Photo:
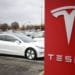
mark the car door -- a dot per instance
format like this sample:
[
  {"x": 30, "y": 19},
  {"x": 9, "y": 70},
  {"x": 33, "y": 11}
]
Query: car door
[
  {"x": 2, "y": 44},
  {"x": 9, "y": 45}
]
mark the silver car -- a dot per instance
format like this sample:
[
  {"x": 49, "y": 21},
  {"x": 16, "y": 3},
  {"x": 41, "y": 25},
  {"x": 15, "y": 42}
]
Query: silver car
[{"x": 19, "y": 44}]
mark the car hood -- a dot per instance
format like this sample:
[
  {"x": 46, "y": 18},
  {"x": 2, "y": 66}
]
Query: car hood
[
  {"x": 39, "y": 39},
  {"x": 39, "y": 44}
]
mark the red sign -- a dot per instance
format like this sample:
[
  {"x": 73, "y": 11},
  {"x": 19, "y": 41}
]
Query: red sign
[{"x": 60, "y": 37}]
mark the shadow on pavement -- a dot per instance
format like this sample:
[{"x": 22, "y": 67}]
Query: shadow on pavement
[{"x": 38, "y": 59}]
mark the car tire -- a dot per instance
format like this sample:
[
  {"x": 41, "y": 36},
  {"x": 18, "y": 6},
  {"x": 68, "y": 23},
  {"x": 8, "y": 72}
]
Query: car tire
[{"x": 30, "y": 54}]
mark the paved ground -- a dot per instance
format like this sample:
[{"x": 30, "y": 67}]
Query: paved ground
[{"x": 20, "y": 66}]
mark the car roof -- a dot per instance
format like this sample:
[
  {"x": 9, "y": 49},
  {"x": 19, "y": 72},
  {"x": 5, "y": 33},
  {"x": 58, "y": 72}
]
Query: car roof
[
  {"x": 5, "y": 34},
  {"x": 14, "y": 34}
]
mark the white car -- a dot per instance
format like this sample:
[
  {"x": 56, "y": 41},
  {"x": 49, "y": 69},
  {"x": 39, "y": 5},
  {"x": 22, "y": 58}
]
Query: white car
[
  {"x": 38, "y": 34},
  {"x": 41, "y": 39},
  {"x": 19, "y": 44}
]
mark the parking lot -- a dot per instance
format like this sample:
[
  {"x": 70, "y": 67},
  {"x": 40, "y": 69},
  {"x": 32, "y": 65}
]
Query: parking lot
[{"x": 15, "y": 65}]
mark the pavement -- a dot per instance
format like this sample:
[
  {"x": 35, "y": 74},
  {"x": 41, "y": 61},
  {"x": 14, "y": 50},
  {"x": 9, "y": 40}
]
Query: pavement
[{"x": 10, "y": 65}]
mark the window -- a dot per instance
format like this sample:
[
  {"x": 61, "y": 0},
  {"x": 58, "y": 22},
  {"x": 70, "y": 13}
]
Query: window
[
  {"x": 2, "y": 37},
  {"x": 8, "y": 38}
]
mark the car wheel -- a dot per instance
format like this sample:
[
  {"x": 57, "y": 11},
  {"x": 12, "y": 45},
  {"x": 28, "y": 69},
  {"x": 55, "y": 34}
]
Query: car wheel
[{"x": 30, "y": 54}]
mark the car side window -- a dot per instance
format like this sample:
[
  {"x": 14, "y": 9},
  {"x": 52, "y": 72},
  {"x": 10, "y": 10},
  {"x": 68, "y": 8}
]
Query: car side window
[
  {"x": 7, "y": 38},
  {"x": 2, "y": 37},
  {"x": 10, "y": 38}
]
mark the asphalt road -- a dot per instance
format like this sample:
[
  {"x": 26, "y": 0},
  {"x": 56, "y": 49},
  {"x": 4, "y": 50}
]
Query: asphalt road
[{"x": 12, "y": 65}]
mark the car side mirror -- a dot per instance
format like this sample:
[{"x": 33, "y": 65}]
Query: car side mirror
[{"x": 17, "y": 41}]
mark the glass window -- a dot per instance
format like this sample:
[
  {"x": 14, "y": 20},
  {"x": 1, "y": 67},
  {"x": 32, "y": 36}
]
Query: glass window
[
  {"x": 10, "y": 38},
  {"x": 25, "y": 38},
  {"x": 2, "y": 37},
  {"x": 7, "y": 38}
]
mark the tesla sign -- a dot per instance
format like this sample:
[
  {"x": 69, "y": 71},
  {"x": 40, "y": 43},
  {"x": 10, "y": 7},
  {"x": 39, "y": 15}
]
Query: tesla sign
[
  {"x": 69, "y": 18},
  {"x": 60, "y": 37}
]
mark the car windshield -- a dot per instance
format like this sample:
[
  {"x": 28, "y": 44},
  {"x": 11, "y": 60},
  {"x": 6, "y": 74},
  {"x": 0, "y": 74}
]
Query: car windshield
[{"x": 24, "y": 38}]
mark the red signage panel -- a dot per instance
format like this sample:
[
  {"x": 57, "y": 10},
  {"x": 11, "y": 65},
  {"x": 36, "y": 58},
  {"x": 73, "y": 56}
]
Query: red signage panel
[{"x": 60, "y": 37}]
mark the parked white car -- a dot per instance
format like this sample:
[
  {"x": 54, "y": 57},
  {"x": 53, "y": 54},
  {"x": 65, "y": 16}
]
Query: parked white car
[
  {"x": 19, "y": 44},
  {"x": 39, "y": 39},
  {"x": 37, "y": 34}
]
